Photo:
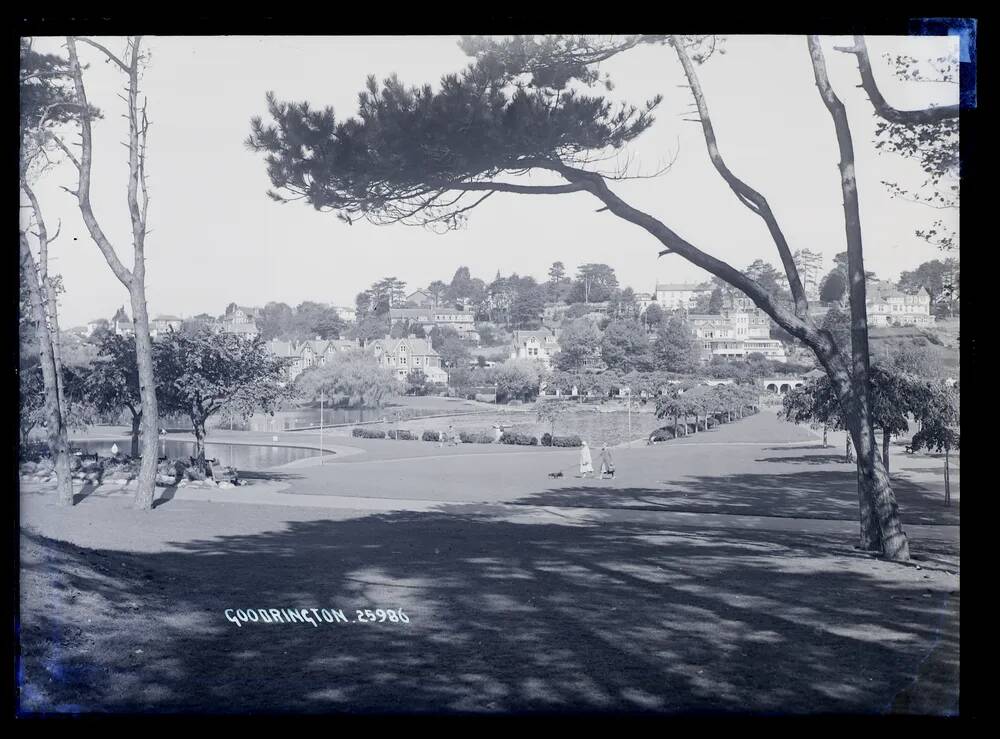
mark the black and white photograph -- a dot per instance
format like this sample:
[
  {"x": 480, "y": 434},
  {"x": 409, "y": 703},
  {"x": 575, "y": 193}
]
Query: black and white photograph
[{"x": 534, "y": 374}]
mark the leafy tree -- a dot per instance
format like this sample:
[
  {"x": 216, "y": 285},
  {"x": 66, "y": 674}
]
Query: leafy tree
[
  {"x": 653, "y": 315},
  {"x": 446, "y": 342},
  {"x": 594, "y": 284},
  {"x": 276, "y": 321},
  {"x": 837, "y": 325},
  {"x": 369, "y": 328},
  {"x": 354, "y": 375},
  {"x": 939, "y": 279},
  {"x": 675, "y": 349},
  {"x": 550, "y": 412},
  {"x": 625, "y": 346},
  {"x": 938, "y": 409},
  {"x": 112, "y": 382},
  {"x": 416, "y": 382},
  {"x": 438, "y": 289},
  {"x": 578, "y": 345},
  {"x": 203, "y": 373},
  {"x": 833, "y": 287},
  {"x": 516, "y": 378},
  {"x": 526, "y": 310}
]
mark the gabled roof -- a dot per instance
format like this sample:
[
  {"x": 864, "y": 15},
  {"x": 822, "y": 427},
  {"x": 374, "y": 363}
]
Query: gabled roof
[{"x": 421, "y": 347}]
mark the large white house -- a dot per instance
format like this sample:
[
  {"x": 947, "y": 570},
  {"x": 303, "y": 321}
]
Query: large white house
[
  {"x": 740, "y": 329},
  {"x": 540, "y": 345},
  {"x": 673, "y": 296},
  {"x": 888, "y": 305},
  {"x": 404, "y": 355}
]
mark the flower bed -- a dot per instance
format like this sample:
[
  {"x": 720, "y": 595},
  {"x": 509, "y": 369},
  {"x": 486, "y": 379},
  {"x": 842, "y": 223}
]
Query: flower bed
[
  {"x": 567, "y": 441},
  {"x": 471, "y": 438},
  {"x": 510, "y": 437},
  {"x": 363, "y": 433}
]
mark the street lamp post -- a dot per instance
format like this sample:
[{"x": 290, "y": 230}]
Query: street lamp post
[{"x": 321, "y": 427}]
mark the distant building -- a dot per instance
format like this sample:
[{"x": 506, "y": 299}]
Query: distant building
[
  {"x": 164, "y": 324},
  {"x": 679, "y": 296},
  {"x": 540, "y": 345},
  {"x": 306, "y": 354},
  {"x": 121, "y": 324},
  {"x": 888, "y": 306},
  {"x": 810, "y": 267},
  {"x": 644, "y": 300},
  {"x": 428, "y": 318},
  {"x": 241, "y": 320},
  {"x": 404, "y": 355},
  {"x": 739, "y": 330},
  {"x": 421, "y": 299}
]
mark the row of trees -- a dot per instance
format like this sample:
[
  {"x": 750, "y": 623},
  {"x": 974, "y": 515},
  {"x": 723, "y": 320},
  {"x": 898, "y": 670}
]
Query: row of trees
[
  {"x": 197, "y": 375},
  {"x": 900, "y": 397},
  {"x": 698, "y": 401}
]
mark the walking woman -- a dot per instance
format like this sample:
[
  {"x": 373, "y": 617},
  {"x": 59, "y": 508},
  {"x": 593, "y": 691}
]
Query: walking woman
[
  {"x": 586, "y": 463},
  {"x": 607, "y": 462}
]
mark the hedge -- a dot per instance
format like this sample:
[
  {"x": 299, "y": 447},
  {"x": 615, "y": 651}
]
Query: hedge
[
  {"x": 470, "y": 438},
  {"x": 511, "y": 437},
  {"x": 402, "y": 435},
  {"x": 368, "y": 433},
  {"x": 546, "y": 439},
  {"x": 431, "y": 436},
  {"x": 663, "y": 434},
  {"x": 567, "y": 441}
]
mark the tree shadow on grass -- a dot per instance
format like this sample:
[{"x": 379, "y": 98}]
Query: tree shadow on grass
[
  {"x": 823, "y": 494},
  {"x": 807, "y": 459},
  {"x": 502, "y": 617}
]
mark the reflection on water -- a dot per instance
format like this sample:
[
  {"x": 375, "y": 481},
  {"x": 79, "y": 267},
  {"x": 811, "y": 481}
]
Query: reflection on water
[{"x": 244, "y": 457}]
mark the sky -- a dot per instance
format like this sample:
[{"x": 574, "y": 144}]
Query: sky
[{"x": 215, "y": 237}]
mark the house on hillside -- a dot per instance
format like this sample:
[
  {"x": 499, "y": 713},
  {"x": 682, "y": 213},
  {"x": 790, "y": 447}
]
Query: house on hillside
[
  {"x": 404, "y": 355},
  {"x": 305, "y": 354},
  {"x": 539, "y": 345},
  {"x": 889, "y": 306},
  {"x": 679, "y": 296},
  {"x": 421, "y": 299},
  {"x": 464, "y": 322},
  {"x": 241, "y": 320}
]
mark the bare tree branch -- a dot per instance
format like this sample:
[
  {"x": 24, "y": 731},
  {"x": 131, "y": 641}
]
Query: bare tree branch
[
  {"x": 106, "y": 51},
  {"x": 746, "y": 194},
  {"x": 906, "y": 117}
]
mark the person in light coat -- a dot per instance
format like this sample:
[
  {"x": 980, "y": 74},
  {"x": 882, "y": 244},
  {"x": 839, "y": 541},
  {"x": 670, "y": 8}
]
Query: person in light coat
[{"x": 586, "y": 463}]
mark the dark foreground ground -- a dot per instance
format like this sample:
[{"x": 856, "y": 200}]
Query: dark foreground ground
[{"x": 502, "y": 617}]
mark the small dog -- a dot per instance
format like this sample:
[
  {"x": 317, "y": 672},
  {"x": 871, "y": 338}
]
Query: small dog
[{"x": 555, "y": 474}]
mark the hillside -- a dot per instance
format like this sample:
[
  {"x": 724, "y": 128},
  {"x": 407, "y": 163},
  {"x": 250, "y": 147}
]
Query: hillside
[{"x": 942, "y": 340}]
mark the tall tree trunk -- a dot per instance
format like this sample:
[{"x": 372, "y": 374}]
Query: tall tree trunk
[
  {"x": 55, "y": 426},
  {"x": 136, "y": 425},
  {"x": 199, "y": 443},
  {"x": 947, "y": 479},
  {"x": 134, "y": 280},
  {"x": 875, "y": 480},
  {"x": 848, "y": 457},
  {"x": 147, "y": 393},
  {"x": 886, "y": 437},
  {"x": 825, "y": 443}
]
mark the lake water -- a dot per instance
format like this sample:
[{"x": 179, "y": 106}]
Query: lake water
[
  {"x": 308, "y": 417},
  {"x": 244, "y": 457}
]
